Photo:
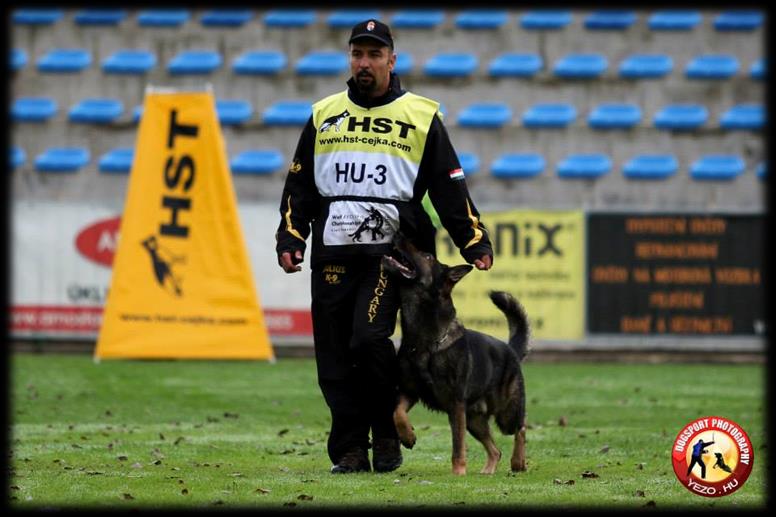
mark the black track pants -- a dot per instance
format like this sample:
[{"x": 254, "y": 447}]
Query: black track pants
[{"x": 354, "y": 306}]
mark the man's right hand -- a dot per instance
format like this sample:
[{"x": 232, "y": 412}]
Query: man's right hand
[{"x": 291, "y": 264}]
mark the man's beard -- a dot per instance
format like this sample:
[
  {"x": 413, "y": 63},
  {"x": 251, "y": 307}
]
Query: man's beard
[{"x": 368, "y": 87}]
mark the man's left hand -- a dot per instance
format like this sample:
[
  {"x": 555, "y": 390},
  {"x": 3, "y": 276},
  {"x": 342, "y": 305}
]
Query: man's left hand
[{"x": 484, "y": 262}]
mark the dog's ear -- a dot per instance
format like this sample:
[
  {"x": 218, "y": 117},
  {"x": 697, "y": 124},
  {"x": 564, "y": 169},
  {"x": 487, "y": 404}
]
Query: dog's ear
[{"x": 456, "y": 273}]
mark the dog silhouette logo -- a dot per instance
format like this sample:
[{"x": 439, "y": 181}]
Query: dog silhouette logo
[
  {"x": 161, "y": 263},
  {"x": 334, "y": 121},
  {"x": 373, "y": 222}
]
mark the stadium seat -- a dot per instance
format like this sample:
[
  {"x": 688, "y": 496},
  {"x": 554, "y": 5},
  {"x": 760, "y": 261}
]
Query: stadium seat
[
  {"x": 738, "y": 20},
  {"x": 520, "y": 165},
  {"x": 233, "y": 111},
  {"x": 96, "y": 111},
  {"x": 717, "y": 167},
  {"x": 642, "y": 66},
  {"x": 584, "y": 166},
  {"x": 470, "y": 163},
  {"x": 580, "y": 66},
  {"x": 743, "y": 116},
  {"x": 33, "y": 109},
  {"x": 137, "y": 113},
  {"x": 485, "y": 115},
  {"x": 347, "y": 18},
  {"x": 258, "y": 62},
  {"x": 18, "y": 59},
  {"x": 480, "y": 19},
  {"x": 322, "y": 62},
  {"x": 417, "y": 18},
  {"x": 99, "y": 16},
  {"x": 610, "y": 20},
  {"x": 650, "y": 166},
  {"x": 226, "y": 17},
  {"x": 757, "y": 69},
  {"x": 404, "y": 63},
  {"x": 681, "y": 116},
  {"x": 64, "y": 60},
  {"x": 288, "y": 18},
  {"x": 16, "y": 157},
  {"x": 761, "y": 171},
  {"x": 549, "y": 115},
  {"x": 451, "y": 65},
  {"x": 545, "y": 19},
  {"x": 674, "y": 20},
  {"x": 614, "y": 116},
  {"x": 515, "y": 65},
  {"x": 257, "y": 162},
  {"x": 712, "y": 66},
  {"x": 117, "y": 160},
  {"x": 62, "y": 159},
  {"x": 37, "y": 16},
  {"x": 195, "y": 62},
  {"x": 288, "y": 113},
  {"x": 163, "y": 17},
  {"x": 129, "y": 61}
]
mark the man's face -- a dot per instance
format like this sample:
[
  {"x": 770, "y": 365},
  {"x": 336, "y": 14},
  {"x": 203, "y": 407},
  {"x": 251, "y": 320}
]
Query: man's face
[{"x": 371, "y": 64}]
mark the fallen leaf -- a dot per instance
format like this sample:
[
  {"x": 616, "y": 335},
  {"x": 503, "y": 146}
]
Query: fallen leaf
[
  {"x": 263, "y": 490},
  {"x": 122, "y": 458},
  {"x": 282, "y": 432},
  {"x": 161, "y": 436},
  {"x": 127, "y": 497},
  {"x": 178, "y": 440},
  {"x": 570, "y": 482},
  {"x": 137, "y": 466},
  {"x": 651, "y": 503},
  {"x": 304, "y": 497},
  {"x": 557, "y": 481},
  {"x": 589, "y": 474},
  {"x": 425, "y": 482},
  {"x": 604, "y": 449},
  {"x": 563, "y": 421},
  {"x": 185, "y": 491},
  {"x": 639, "y": 493},
  {"x": 231, "y": 415},
  {"x": 158, "y": 462},
  {"x": 640, "y": 466}
]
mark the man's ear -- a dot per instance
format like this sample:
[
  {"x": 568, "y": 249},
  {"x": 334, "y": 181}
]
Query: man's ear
[
  {"x": 456, "y": 273},
  {"x": 391, "y": 59}
]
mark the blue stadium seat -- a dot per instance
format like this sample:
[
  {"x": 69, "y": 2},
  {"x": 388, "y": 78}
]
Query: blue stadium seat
[
  {"x": 738, "y": 20},
  {"x": 33, "y": 109},
  {"x": 762, "y": 170},
  {"x": 290, "y": 18},
  {"x": 650, "y": 166},
  {"x": 581, "y": 66},
  {"x": 743, "y": 116},
  {"x": 545, "y": 19},
  {"x": 16, "y": 157},
  {"x": 717, "y": 167},
  {"x": 64, "y": 60},
  {"x": 417, "y": 18},
  {"x": 195, "y": 62},
  {"x": 549, "y": 115},
  {"x": 757, "y": 70},
  {"x": 347, "y": 18},
  {"x": 404, "y": 63},
  {"x": 226, "y": 17},
  {"x": 485, "y": 114},
  {"x": 712, "y": 66},
  {"x": 614, "y": 116},
  {"x": 470, "y": 163},
  {"x": 18, "y": 59},
  {"x": 37, "y": 16},
  {"x": 674, "y": 20},
  {"x": 288, "y": 113},
  {"x": 163, "y": 17},
  {"x": 96, "y": 111},
  {"x": 233, "y": 111},
  {"x": 137, "y": 113},
  {"x": 681, "y": 116},
  {"x": 480, "y": 19},
  {"x": 584, "y": 166},
  {"x": 515, "y": 65},
  {"x": 519, "y": 165},
  {"x": 117, "y": 160},
  {"x": 322, "y": 62},
  {"x": 642, "y": 66},
  {"x": 258, "y": 62},
  {"x": 451, "y": 65},
  {"x": 610, "y": 20},
  {"x": 62, "y": 159},
  {"x": 129, "y": 61},
  {"x": 257, "y": 162},
  {"x": 100, "y": 16}
]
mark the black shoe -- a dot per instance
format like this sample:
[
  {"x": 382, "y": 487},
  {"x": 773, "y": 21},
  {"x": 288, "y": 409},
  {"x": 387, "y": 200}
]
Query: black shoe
[
  {"x": 355, "y": 460},
  {"x": 386, "y": 454}
]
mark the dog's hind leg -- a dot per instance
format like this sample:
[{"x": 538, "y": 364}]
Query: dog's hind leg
[
  {"x": 402, "y": 421},
  {"x": 478, "y": 426},
  {"x": 457, "y": 418}
]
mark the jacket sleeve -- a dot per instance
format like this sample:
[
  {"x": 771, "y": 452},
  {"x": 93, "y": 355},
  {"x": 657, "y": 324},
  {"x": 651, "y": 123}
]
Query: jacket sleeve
[
  {"x": 449, "y": 195},
  {"x": 300, "y": 201}
]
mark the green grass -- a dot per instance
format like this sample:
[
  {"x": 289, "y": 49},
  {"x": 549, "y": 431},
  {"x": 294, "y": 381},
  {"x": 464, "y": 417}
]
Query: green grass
[{"x": 193, "y": 434}]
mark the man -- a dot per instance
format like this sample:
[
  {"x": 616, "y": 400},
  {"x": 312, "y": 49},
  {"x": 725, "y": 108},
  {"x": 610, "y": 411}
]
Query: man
[
  {"x": 363, "y": 163},
  {"x": 698, "y": 450}
]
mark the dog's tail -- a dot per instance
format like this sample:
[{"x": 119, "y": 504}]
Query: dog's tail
[{"x": 517, "y": 320}]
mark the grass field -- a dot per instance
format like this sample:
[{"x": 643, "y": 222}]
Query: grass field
[{"x": 196, "y": 434}]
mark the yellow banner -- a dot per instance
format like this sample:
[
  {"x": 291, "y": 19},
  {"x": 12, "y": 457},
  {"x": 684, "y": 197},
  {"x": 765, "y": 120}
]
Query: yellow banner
[
  {"x": 182, "y": 286},
  {"x": 539, "y": 258}
]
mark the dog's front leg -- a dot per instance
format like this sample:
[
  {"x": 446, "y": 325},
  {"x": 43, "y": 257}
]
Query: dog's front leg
[
  {"x": 458, "y": 426},
  {"x": 402, "y": 421}
]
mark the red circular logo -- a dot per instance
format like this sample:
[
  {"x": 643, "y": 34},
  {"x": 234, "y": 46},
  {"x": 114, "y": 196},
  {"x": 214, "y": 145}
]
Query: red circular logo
[{"x": 712, "y": 456}]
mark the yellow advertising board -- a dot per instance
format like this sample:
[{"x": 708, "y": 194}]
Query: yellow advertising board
[
  {"x": 540, "y": 259},
  {"x": 181, "y": 286}
]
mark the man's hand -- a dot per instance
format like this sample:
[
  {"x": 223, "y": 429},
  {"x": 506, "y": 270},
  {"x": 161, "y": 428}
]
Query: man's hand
[
  {"x": 484, "y": 262},
  {"x": 291, "y": 264}
]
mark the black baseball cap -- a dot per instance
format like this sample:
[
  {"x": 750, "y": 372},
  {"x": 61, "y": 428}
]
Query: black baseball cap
[{"x": 372, "y": 29}]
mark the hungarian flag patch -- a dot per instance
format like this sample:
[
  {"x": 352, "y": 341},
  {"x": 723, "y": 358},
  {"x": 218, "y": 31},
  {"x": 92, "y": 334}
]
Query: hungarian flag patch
[{"x": 456, "y": 174}]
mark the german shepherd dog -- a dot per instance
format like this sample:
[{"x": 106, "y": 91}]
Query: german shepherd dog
[{"x": 469, "y": 375}]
